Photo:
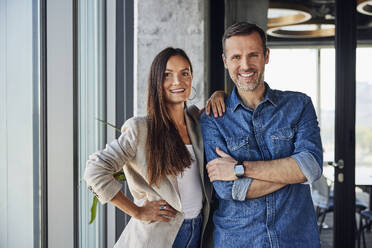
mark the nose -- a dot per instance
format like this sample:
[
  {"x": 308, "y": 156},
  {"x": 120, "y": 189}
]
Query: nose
[
  {"x": 244, "y": 64},
  {"x": 176, "y": 79}
]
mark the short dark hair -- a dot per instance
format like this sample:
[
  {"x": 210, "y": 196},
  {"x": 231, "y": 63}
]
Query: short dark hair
[{"x": 242, "y": 28}]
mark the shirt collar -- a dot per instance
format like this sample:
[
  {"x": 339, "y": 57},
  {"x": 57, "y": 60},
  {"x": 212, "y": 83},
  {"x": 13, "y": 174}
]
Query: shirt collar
[
  {"x": 270, "y": 95},
  {"x": 235, "y": 100}
]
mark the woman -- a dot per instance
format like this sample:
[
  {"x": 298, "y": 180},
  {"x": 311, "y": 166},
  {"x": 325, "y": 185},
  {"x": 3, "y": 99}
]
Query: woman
[{"x": 162, "y": 155}]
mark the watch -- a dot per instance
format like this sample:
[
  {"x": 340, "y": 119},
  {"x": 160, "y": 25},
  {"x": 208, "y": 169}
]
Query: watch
[{"x": 239, "y": 169}]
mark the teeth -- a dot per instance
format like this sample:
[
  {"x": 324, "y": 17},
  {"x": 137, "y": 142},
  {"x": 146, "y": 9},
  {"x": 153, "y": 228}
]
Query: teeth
[
  {"x": 246, "y": 74},
  {"x": 177, "y": 91}
]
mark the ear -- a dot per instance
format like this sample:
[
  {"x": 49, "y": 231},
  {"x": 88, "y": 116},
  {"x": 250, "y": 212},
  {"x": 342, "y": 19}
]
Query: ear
[
  {"x": 224, "y": 60},
  {"x": 267, "y": 55}
]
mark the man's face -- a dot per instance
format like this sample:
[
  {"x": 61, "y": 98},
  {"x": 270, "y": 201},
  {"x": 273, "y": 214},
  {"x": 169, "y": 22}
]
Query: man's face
[{"x": 245, "y": 59}]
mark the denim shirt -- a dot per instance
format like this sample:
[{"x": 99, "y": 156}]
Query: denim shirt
[{"x": 283, "y": 125}]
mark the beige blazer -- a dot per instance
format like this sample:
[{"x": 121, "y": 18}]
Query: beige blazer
[{"x": 129, "y": 151}]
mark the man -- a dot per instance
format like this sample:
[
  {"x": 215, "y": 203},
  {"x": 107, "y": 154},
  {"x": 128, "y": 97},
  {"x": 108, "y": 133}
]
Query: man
[{"x": 260, "y": 152}]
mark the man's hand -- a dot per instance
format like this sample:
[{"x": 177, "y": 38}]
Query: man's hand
[
  {"x": 222, "y": 168},
  {"x": 217, "y": 103}
]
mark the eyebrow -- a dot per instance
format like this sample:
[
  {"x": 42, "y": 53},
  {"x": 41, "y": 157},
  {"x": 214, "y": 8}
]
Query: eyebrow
[
  {"x": 238, "y": 54},
  {"x": 185, "y": 69},
  {"x": 233, "y": 55}
]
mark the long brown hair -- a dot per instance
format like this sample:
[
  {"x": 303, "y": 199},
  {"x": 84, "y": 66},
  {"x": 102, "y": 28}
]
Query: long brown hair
[{"x": 166, "y": 153}]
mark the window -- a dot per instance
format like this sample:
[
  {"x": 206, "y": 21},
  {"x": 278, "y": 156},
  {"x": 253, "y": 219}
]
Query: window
[
  {"x": 363, "y": 123},
  {"x": 297, "y": 69},
  {"x": 91, "y": 107},
  {"x": 293, "y": 69}
]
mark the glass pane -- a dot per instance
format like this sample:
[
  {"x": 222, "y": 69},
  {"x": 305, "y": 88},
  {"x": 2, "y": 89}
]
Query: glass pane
[
  {"x": 327, "y": 131},
  {"x": 327, "y": 99},
  {"x": 363, "y": 122},
  {"x": 20, "y": 110},
  {"x": 286, "y": 71},
  {"x": 91, "y": 106},
  {"x": 363, "y": 126}
]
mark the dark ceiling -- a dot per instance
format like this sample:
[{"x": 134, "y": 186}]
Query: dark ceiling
[{"x": 325, "y": 10}]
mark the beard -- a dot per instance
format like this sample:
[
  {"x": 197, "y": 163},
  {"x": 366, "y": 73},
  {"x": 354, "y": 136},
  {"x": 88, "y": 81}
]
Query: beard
[{"x": 246, "y": 87}]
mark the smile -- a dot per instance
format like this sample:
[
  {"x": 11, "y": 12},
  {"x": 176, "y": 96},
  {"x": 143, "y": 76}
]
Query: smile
[
  {"x": 177, "y": 91},
  {"x": 246, "y": 75}
]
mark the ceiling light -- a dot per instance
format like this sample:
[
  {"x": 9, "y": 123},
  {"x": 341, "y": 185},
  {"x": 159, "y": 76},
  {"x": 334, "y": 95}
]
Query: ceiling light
[
  {"x": 281, "y": 14},
  {"x": 365, "y": 7},
  {"x": 310, "y": 29}
]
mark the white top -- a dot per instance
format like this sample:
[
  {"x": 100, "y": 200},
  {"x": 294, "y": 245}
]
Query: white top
[{"x": 190, "y": 188}]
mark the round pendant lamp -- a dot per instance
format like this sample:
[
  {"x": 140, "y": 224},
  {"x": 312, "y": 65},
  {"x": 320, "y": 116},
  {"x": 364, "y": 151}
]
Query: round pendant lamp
[
  {"x": 310, "y": 29},
  {"x": 365, "y": 7},
  {"x": 282, "y": 14}
]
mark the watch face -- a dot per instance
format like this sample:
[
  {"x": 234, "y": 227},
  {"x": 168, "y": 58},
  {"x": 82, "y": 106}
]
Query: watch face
[{"x": 239, "y": 170}]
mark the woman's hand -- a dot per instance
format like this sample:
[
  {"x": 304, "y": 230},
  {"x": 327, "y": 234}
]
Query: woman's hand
[
  {"x": 217, "y": 103},
  {"x": 156, "y": 211}
]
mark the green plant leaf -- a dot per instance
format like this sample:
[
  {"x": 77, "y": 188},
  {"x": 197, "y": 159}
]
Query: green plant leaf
[
  {"x": 109, "y": 124},
  {"x": 119, "y": 176},
  {"x": 93, "y": 210}
]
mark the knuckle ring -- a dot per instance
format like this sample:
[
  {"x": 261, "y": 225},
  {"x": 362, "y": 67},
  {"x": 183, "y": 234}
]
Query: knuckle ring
[{"x": 163, "y": 207}]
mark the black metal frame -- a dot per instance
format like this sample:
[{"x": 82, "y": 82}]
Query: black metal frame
[
  {"x": 75, "y": 124},
  {"x": 104, "y": 109},
  {"x": 345, "y": 44},
  {"x": 217, "y": 28},
  {"x": 124, "y": 82}
]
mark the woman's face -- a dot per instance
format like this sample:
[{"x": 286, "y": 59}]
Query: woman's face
[{"x": 177, "y": 80}]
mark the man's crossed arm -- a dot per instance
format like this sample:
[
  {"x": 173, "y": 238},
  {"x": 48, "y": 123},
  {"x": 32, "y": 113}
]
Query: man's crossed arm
[{"x": 269, "y": 175}]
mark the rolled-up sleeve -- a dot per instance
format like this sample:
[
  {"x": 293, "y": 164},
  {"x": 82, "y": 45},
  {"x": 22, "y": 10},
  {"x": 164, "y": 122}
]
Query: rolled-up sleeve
[
  {"x": 240, "y": 188},
  {"x": 103, "y": 164},
  {"x": 308, "y": 151},
  {"x": 308, "y": 165},
  {"x": 212, "y": 138}
]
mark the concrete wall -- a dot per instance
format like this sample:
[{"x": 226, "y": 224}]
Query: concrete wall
[{"x": 163, "y": 23}]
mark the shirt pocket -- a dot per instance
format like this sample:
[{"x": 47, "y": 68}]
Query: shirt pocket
[
  {"x": 238, "y": 147},
  {"x": 283, "y": 141}
]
